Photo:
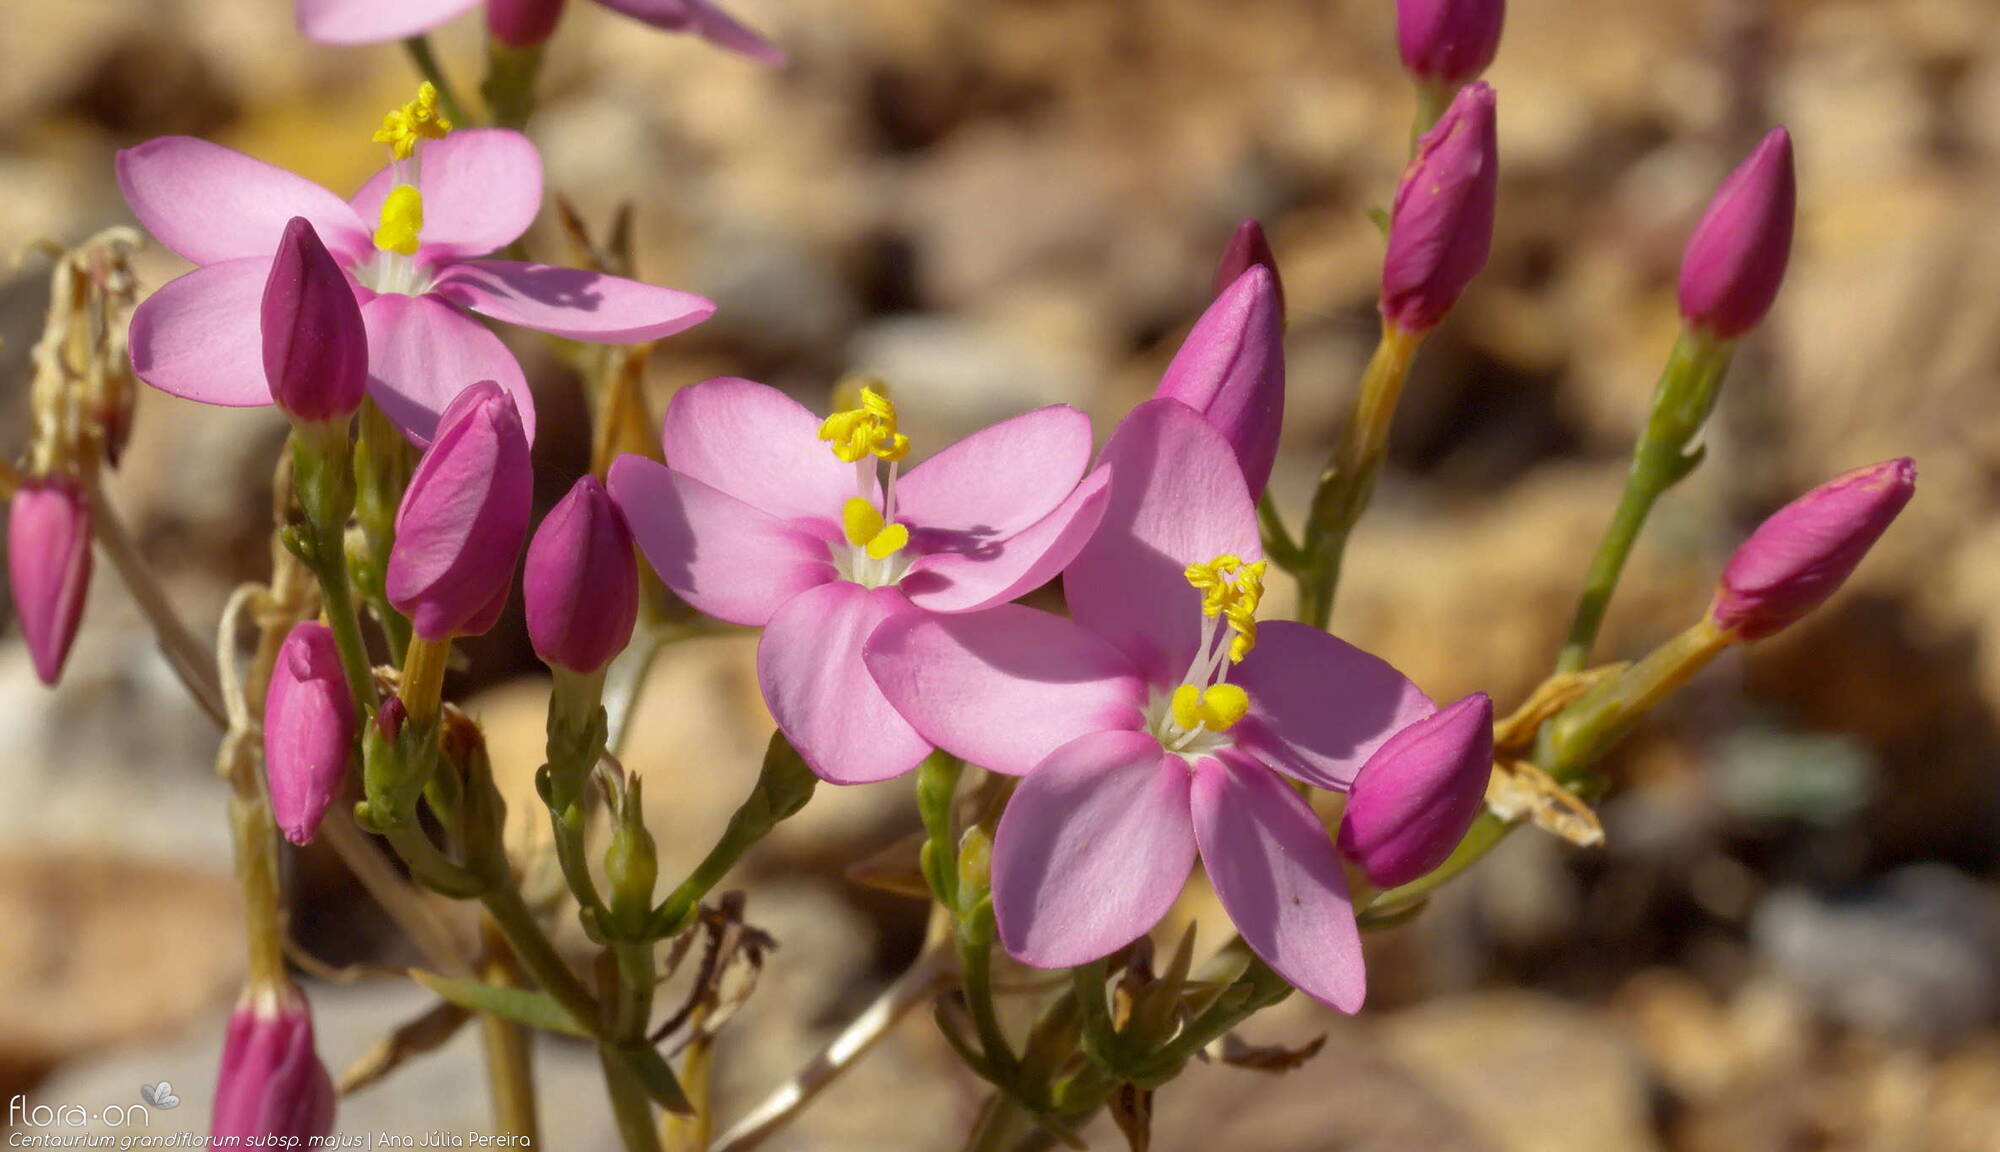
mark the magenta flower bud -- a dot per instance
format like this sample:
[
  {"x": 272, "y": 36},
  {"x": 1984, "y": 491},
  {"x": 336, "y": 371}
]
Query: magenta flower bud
[
  {"x": 1441, "y": 227},
  {"x": 1808, "y": 549},
  {"x": 272, "y": 1087},
  {"x": 582, "y": 581},
  {"x": 523, "y": 23},
  {"x": 309, "y": 728},
  {"x": 48, "y": 561},
  {"x": 1736, "y": 258},
  {"x": 1247, "y": 249},
  {"x": 464, "y": 518},
  {"x": 1413, "y": 801},
  {"x": 1448, "y": 41},
  {"x": 315, "y": 348},
  {"x": 1231, "y": 369},
  {"x": 389, "y": 718}
]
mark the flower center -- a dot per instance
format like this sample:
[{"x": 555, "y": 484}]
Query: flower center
[
  {"x": 398, "y": 232},
  {"x": 876, "y": 553},
  {"x": 1194, "y": 718}
]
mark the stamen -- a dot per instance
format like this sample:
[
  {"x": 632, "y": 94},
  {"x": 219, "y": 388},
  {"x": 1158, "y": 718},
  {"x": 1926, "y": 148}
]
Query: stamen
[
  {"x": 867, "y": 530},
  {"x": 1231, "y": 590},
  {"x": 402, "y": 221},
  {"x": 867, "y": 430},
  {"x": 420, "y": 119}
]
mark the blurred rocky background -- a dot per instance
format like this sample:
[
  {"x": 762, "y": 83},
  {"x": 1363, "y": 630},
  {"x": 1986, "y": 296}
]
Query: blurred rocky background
[{"x": 1792, "y": 938}]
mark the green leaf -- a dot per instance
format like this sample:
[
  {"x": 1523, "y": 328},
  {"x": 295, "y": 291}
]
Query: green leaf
[
  {"x": 534, "y": 1009},
  {"x": 656, "y": 1076}
]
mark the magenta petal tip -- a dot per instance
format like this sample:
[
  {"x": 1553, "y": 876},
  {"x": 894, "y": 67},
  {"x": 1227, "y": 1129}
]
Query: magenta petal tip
[
  {"x": 1737, "y": 254},
  {"x": 581, "y": 582},
  {"x": 1414, "y": 799},
  {"x": 1448, "y": 41},
  {"x": 1248, "y": 248},
  {"x": 1441, "y": 226},
  {"x": 1231, "y": 369},
  {"x": 48, "y": 565},
  {"x": 1800, "y": 556},
  {"x": 272, "y": 1091}
]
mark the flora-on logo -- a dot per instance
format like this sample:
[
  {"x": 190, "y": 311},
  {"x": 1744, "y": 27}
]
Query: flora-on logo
[{"x": 160, "y": 1095}]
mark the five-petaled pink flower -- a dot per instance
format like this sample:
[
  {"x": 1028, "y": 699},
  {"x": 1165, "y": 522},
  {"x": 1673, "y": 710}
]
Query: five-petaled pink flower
[
  {"x": 371, "y": 21},
  {"x": 1160, "y": 720},
  {"x": 755, "y": 520},
  {"x": 440, "y": 208}
]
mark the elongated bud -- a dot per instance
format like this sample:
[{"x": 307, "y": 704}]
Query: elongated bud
[
  {"x": 1231, "y": 369},
  {"x": 1448, "y": 41},
  {"x": 315, "y": 348},
  {"x": 1736, "y": 258},
  {"x": 1414, "y": 799},
  {"x": 1808, "y": 549},
  {"x": 272, "y": 1091},
  {"x": 48, "y": 562},
  {"x": 309, "y": 728},
  {"x": 523, "y": 23},
  {"x": 1441, "y": 228},
  {"x": 463, "y": 519},
  {"x": 582, "y": 581},
  {"x": 1247, "y": 249},
  {"x": 631, "y": 862}
]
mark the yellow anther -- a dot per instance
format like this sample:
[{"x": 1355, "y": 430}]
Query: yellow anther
[
  {"x": 420, "y": 119},
  {"x": 865, "y": 529},
  {"x": 402, "y": 220},
  {"x": 871, "y": 428},
  {"x": 1217, "y": 708},
  {"x": 1231, "y": 589}
]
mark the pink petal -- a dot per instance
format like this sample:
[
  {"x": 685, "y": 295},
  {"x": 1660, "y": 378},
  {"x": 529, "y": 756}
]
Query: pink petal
[
  {"x": 726, "y": 558},
  {"x": 211, "y": 203},
  {"x": 1319, "y": 706},
  {"x": 423, "y": 352},
  {"x": 703, "y": 19},
  {"x": 1092, "y": 850},
  {"x": 1278, "y": 877},
  {"x": 1005, "y": 687},
  {"x": 819, "y": 690},
  {"x": 760, "y": 446},
  {"x": 198, "y": 338},
  {"x": 570, "y": 302},
  {"x": 998, "y": 480},
  {"x": 1177, "y": 498},
  {"x": 481, "y": 186},
  {"x": 371, "y": 21},
  {"x": 997, "y": 572}
]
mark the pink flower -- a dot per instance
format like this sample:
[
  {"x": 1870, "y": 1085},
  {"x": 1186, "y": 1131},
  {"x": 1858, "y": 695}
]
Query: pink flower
[
  {"x": 1160, "y": 721},
  {"x": 1231, "y": 369},
  {"x": 372, "y": 21},
  {"x": 474, "y": 192},
  {"x": 1736, "y": 256},
  {"x": 1808, "y": 548},
  {"x": 1449, "y": 41},
  {"x": 582, "y": 581},
  {"x": 48, "y": 567},
  {"x": 272, "y": 1085},
  {"x": 1441, "y": 227},
  {"x": 308, "y": 730},
  {"x": 463, "y": 519},
  {"x": 754, "y": 520},
  {"x": 1415, "y": 798}
]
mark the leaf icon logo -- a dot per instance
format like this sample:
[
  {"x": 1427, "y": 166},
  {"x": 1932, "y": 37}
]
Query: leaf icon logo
[{"x": 160, "y": 1095}]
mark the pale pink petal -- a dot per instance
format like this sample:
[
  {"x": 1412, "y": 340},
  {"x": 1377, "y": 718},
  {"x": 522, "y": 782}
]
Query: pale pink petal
[
  {"x": 996, "y": 481},
  {"x": 1319, "y": 706},
  {"x": 1005, "y": 687},
  {"x": 197, "y": 337},
  {"x": 570, "y": 302},
  {"x": 703, "y": 19},
  {"x": 997, "y": 572},
  {"x": 760, "y": 446},
  {"x": 1092, "y": 849},
  {"x": 819, "y": 690},
  {"x": 1278, "y": 877},
  {"x": 423, "y": 352},
  {"x": 719, "y": 554},
  {"x": 1177, "y": 498},
  {"x": 373, "y": 21},
  {"x": 211, "y": 203},
  {"x": 481, "y": 187}
]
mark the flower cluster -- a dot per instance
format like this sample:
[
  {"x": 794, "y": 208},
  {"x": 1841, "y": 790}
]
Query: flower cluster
[{"x": 1086, "y": 625}]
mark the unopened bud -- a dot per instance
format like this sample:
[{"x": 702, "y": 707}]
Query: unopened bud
[
  {"x": 1414, "y": 799},
  {"x": 1441, "y": 227},
  {"x": 1231, "y": 369},
  {"x": 48, "y": 563},
  {"x": 1448, "y": 41},
  {"x": 272, "y": 1090},
  {"x": 315, "y": 348},
  {"x": 1736, "y": 257},
  {"x": 309, "y": 728}
]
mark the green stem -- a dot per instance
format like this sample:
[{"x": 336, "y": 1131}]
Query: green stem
[
  {"x": 330, "y": 565},
  {"x": 426, "y": 61},
  {"x": 631, "y": 1011},
  {"x": 537, "y": 955},
  {"x": 629, "y": 1104},
  {"x": 1002, "y": 1123},
  {"x": 510, "y": 1053},
  {"x": 975, "y": 967},
  {"x": 937, "y": 789},
  {"x": 1279, "y": 547},
  {"x": 1682, "y": 402}
]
